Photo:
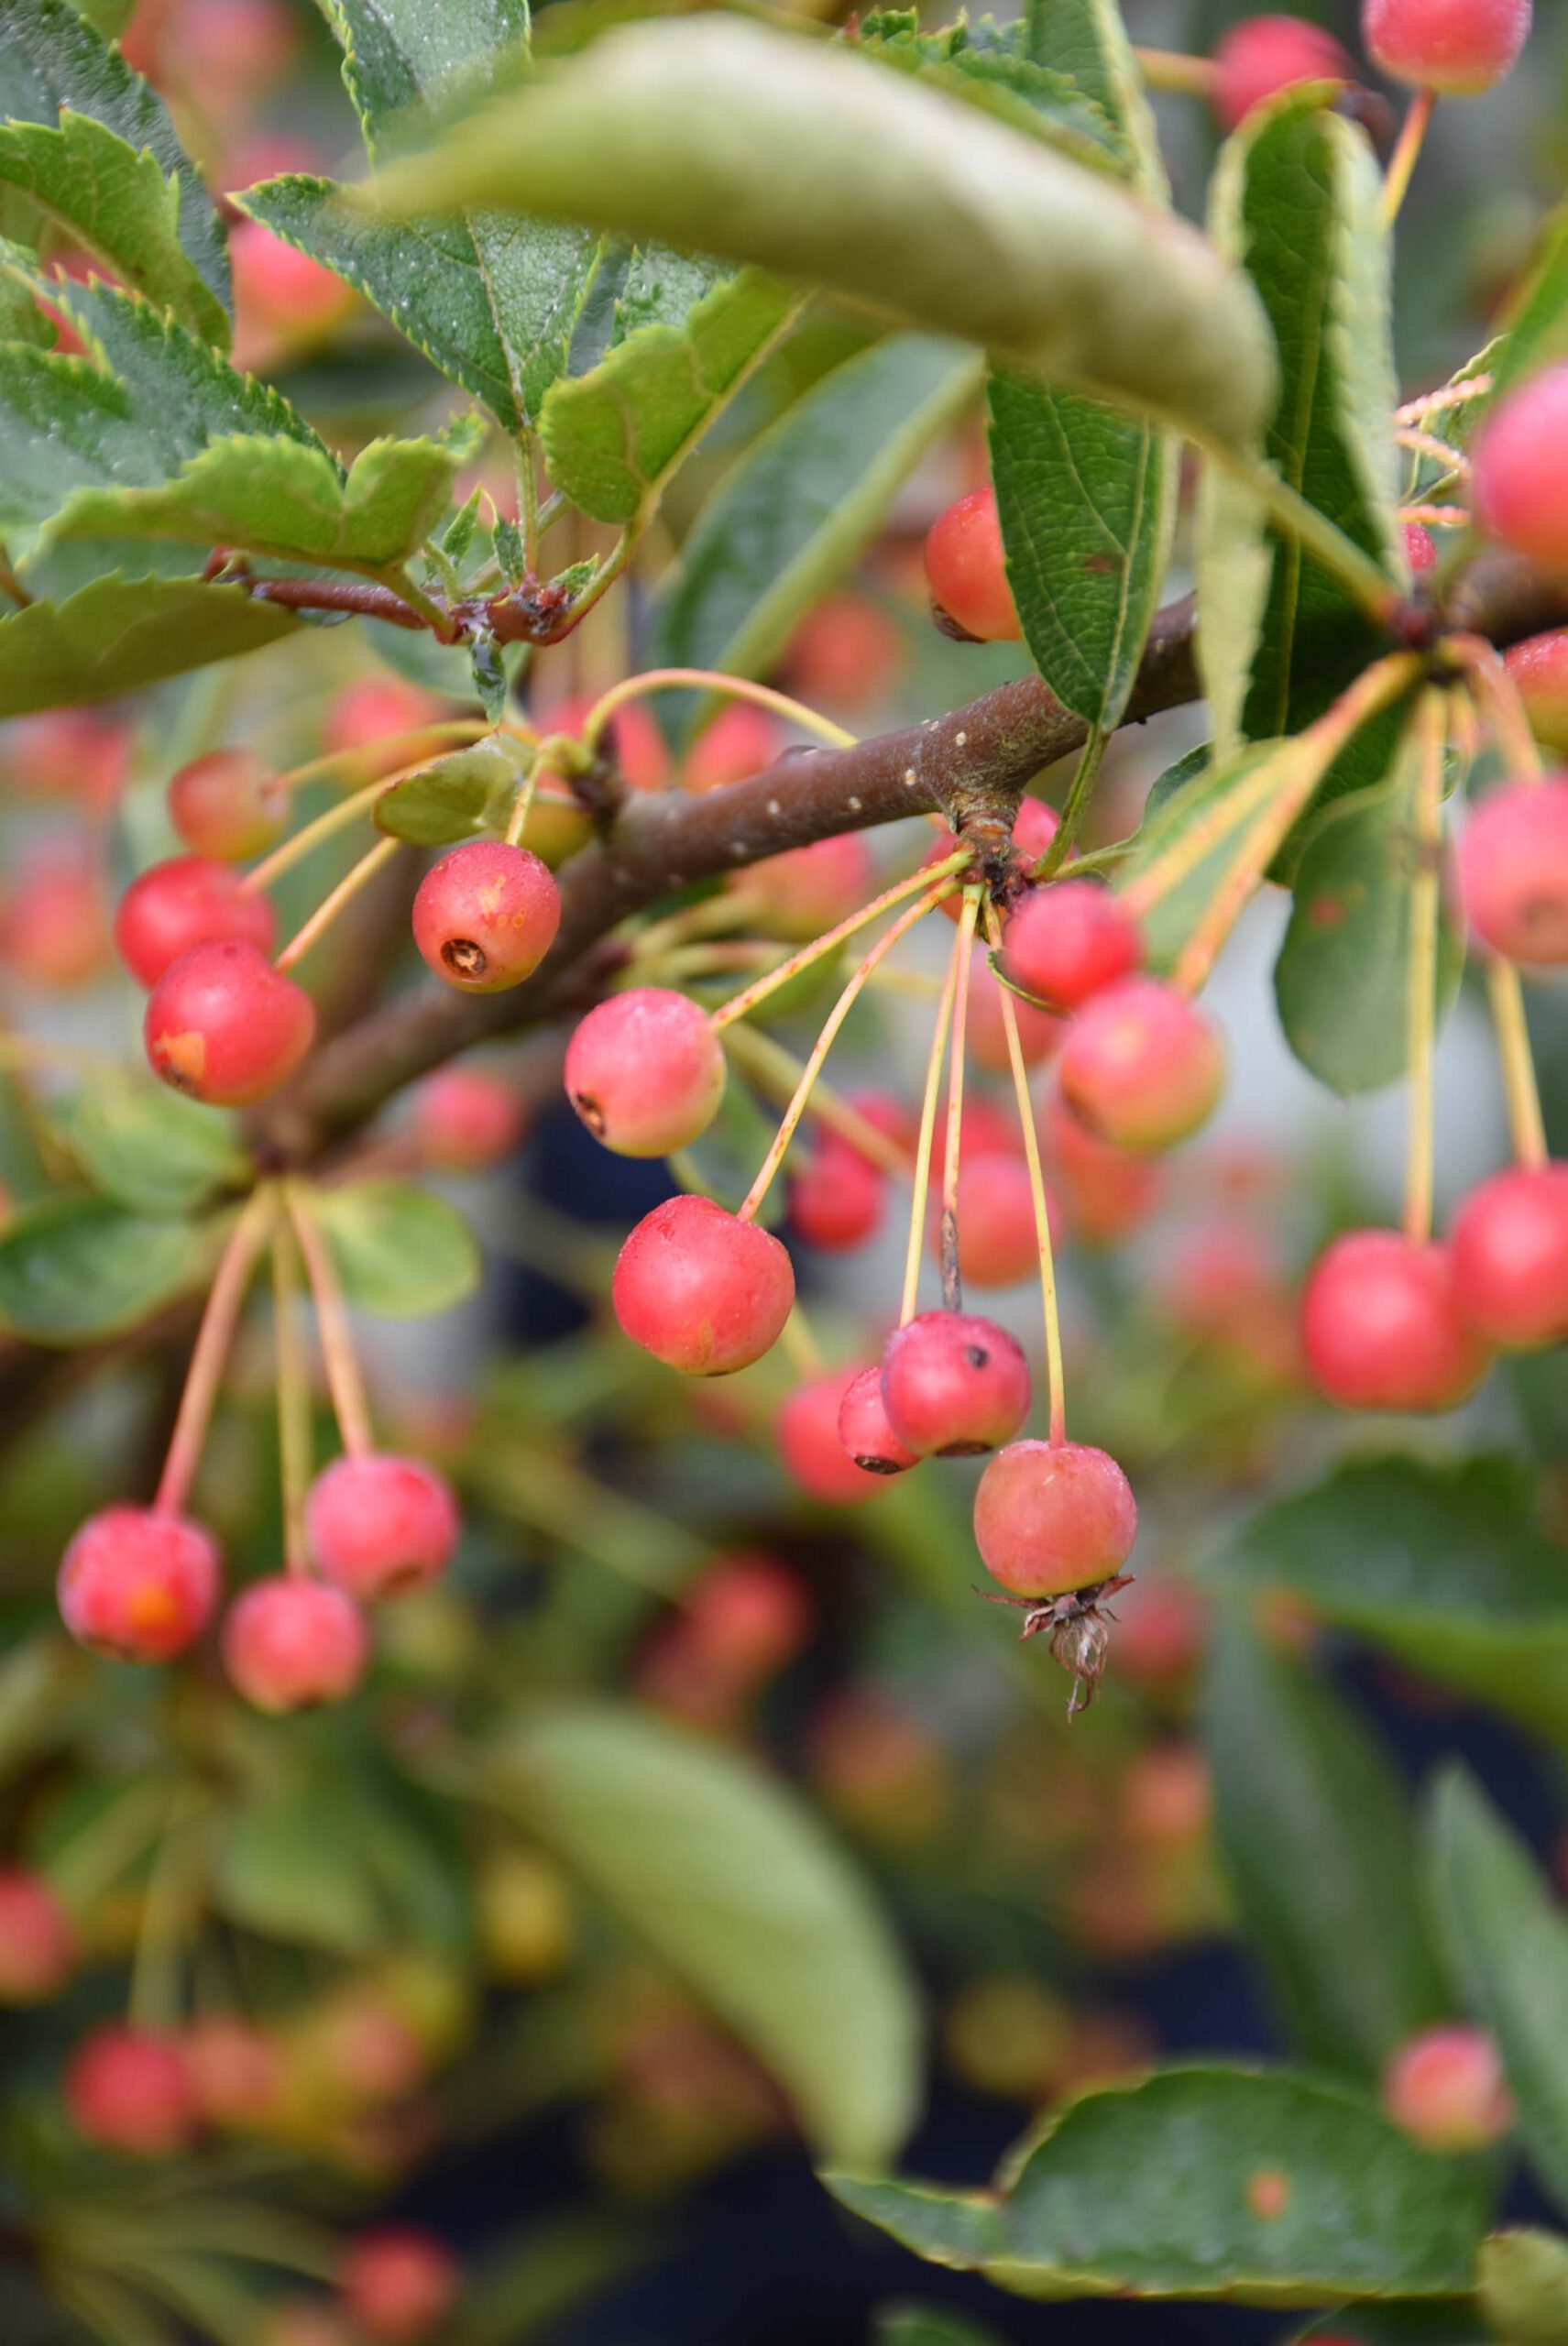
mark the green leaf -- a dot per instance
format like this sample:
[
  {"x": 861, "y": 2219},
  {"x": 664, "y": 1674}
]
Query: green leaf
[
  {"x": 296, "y": 1867},
  {"x": 1442, "y": 1563},
  {"x": 116, "y": 202},
  {"x": 1259, "y": 2188},
  {"x": 987, "y": 65},
  {"x": 149, "y": 1149},
  {"x": 53, "y": 57},
  {"x": 732, "y": 1882},
  {"x": 1535, "y": 332},
  {"x": 1222, "y": 792},
  {"x": 1296, "y": 200},
  {"x": 455, "y": 797},
  {"x": 119, "y": 634},
  {"x": 1524, "y": 2287},
  {"x": 405, "y": 64},
  {"x": 781, "y": 152},
  {"x": 1319, "y": 1847},
  {"x": 82, "y": 1268},
  {"x": 400, "y": 1251},
  {"x": 1343, "y": 969},
  {"x": 612, "y": 437},
  {"x": 928, "y": 2326},
  {"x": 1507, "y": 1941},
  {"x": 790, "y": 517}
]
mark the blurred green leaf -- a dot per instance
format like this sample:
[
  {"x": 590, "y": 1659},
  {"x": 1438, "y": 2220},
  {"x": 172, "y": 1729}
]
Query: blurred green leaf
[
  {"x": 400, "y": 1251},
  {"x": 148, "y": 1147},
  {"x": 1535, "y": 330},
  {"x": 993, "y": 66},
  {"x": 455, "y": 797},
  {"x": 928, "y": 2326},
  {"x": 119, "y": 634},
  {"x": 1257, "y": 2187},
  {"x": 739, "y": 1889},
  {"x": 82, "y": 1268},
  {"x": 1524, "y": 2287},
  {"x": 790, "y": 517},
  {"x": 296, "y": 1867},
  {"x": 1319, "y": 1846},
  {"x": 1508, "y": 1942}
]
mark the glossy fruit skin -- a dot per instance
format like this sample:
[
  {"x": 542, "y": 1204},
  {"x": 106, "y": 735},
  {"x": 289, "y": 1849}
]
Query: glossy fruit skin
[
  {"x": 1040, "y": 1032},
  {"x": 1141, "y": 1066},
  {"x": 37, "y": 1946},
  {"x": 1382, "y": 1328},
  {"x": 954, "y": 1384},
  {"x": 467, "y": 1118},
  {"x": 289, "y": 1643},
  {"x": 807, "y": 1432},
  {"x": 1446, "y": 2088},
  {"x": 127, "y": 2090},
  {"x": 400, "y": 2285},
  {"x": 486, "y": 915},
  {"x": 1513, "y": 871},
  {"x": 741, "y": 740},
  {"x": 189, "y": 901},
  {"x": 229, "y": 805},
  {"x": 1455, "y": 47},
  {"x": 1263, "y": 55},
  {"x": 1071, "y": 940},
  {"x": 836, "y": 1198},
  {"x": 1050, "y": 1518},
  {"x": 998, "y": 1244},
  {"x": 967, "y": 569},
  {"x": 1034, "y": 825},
  {"x": 645, "y": 1071},
  {"x": 1539, "y": 668},
  {"x": 700, "y": 1289},
  {"x": 810, "y": 889},
  {"x": 1510, "y": 1251},
  {"x": 1520, "y": 478},
  {"x": 222, "y": 1024},
  {"x": 138, "y": 1585},
  {"x": 380, "y": 1526},
  {"x": 863, "y": 1428}
]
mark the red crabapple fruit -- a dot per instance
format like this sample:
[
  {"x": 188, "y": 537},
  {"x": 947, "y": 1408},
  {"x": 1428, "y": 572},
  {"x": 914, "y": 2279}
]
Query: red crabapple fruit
[
  {"x": 1520, "y": 479},
  {"x": 289, "y": 1643},
  {"x": 700, "y": 1289},
  {"x": 1446, "y": 2088},
  {"x": 747, "y": 1617},
  {"x": 1142, "y": 1066},
  {"x": 1513, "y": 871},
  {"x": 1382, "y": 1326},
  {"x": 1539, "y": 670},
  {"x": 998, "y": 1242},
  {"x": 1040, "y": 1032},
  {"x": 54, "y": 927},
  {"x": 864, "y": 1430},
  {"x": 378, "y": 1525},
  {"x": 1263, "y": 55},
  {"x": 191, "y": 900},
  {"x": 129, "y": 2089},
  {"x": 467, "y": 1118},
  {"x": 1509, "y": 1251},
  {"x": 954, "y": 1384},
  {"x": 808, "y": 888},
  {"x": 37, "y": 1946},
  {"x": 846, "y": 653},
  {"x": 1107, "y": 1192},
  {"x": 967, "y": 569},
  {"x": 837, "y": 1197},
  {"x": 645, "y": 1071},
  {"x": 399, "y": 2285},
  {"x": 741, "y": 740},
  {"x": 229, "y": 805},
  {"x": 814, "y": 1455},
  {"x": 1455, "y": 47},
  {"x": 632, "y": 737},
  {"x": 222, "y": 1024},
  {"x": 1071, "y": 940},
  {"x": 1034, "y": 825},
  {"x": 366, "y": 712},
  {"x": 1053, "y": 1517},
  {"x": 236, "y": 2069},
  {"x": 282, "y": 297},
  {"x": 1420, "y": 548},
  {"x": 486, "y": 915},
  {"x": 138, "y": 1584}
]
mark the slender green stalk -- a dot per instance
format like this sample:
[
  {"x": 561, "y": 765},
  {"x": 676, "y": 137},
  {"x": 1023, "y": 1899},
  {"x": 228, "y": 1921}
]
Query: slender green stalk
[
  {"x": 312, "y": 931},
  {"x": 654, "y": 680},
  {"x": 940, "y": 1025},
  {"x": 294, "y": 1442},
  {"x": 344, "y": 1380},
  {"x": 1087, "y": 773},
  {"x": 1055, "y": 1381},
  {"x": 1421, "y": 998},
  {"x": 952, "y": 1283},
  {"x": 213, "y": 1339},
  {"x": 739, "y": 1006},
  {"x": 1526, "y": 1124}
]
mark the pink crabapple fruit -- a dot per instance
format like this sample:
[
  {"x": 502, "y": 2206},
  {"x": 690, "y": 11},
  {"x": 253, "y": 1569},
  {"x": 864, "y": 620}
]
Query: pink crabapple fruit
[
  {"x": 399, "y": 2285},
  {"x": 1446, "y": 2088},
  {"x": 747, "y": 1617},
  {"x": 1513, "y": 871},
  {"x": 74, "y": 753},
  {"x": 365, "y": 713},
  {"x": 1067, "y": 942},
  {"x": 1040, "y": 1032},
  {"x": 837, "y": 1197},
  {"x": 1382, "y": 1327},
  {"x": 1034, "y": 825},
  {"x": 998, "y": 1242},
  {"x": 808, "y": 888},
  {"x": 1106, "y": 1191},
  {"x": 846, "y": 653},
  {"x": 289, "y": 1643},
  {"x": 810, "y": 1444},
  {"x": 54, "y": 927},
  {"x": 631, "y": 736},
  {"x": 188, "y": 901},
  {"x": 283, "y": 299},
  {"x": 985, "y": 1129},
  {"x": 129, "y": 2089},
  {"x": 378, "y": 1525},
  {"x": 229, "y": 805},
  {"x": 37, "y": 1946},
  {"x": 1454, "y": 46},
  {"x": 138, "y": 1584},
  {"x": 467, "y": 1118},
  {"x": 1263, "y": 55},
  {"x": 1538, "y": 668},
  {"x": 486, "y": 915},
  {"x": 864, "y": 1430},
  {"x": 699, "y": 1289},
  {"x": 1142, "y": 1066},
  {"x": 222, "y": 1024},
  {"x": 967, "y": 570},
  {"x": 1520, "y": 471},
  {"x": 1051, "y": 1518},
  {"x": 954, "y": 1384},
  {"x": 741, "y": 741},
  {"x": 645, "y": 1071},
  {"x": 1509, "y": 1251},
  {"x": 235, "y": 2069}
]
